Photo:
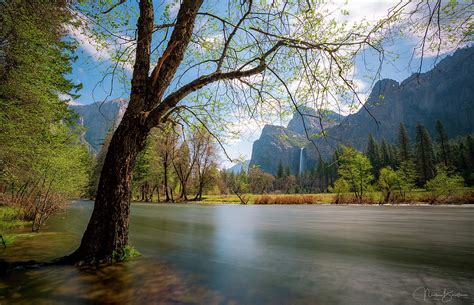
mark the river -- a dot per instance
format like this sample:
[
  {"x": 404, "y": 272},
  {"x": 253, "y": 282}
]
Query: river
[{"x": 234, "y": 254}]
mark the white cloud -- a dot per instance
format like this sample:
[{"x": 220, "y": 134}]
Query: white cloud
[
  {"x": 97, "y": 48},
  {"x": 74, "y": 103},
  {"x": 174, "y": 6},
  {"x": 369, "y": 10},
  {"x": 90, "y": 45},
  {"x": 68, "y": 99}
]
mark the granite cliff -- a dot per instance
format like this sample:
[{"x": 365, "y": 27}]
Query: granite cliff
[
  {"x": 99, "y": 118},
  {"x": 444, "y": 93}
]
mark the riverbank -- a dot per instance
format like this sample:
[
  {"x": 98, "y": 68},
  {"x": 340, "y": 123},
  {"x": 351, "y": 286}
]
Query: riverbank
[
  {"x": 11, "y": 226},
  {"x": 419, "y": 197}
]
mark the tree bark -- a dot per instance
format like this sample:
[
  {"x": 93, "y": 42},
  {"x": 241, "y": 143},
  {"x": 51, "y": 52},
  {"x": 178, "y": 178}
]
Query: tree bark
[
  {"x": 107, "y": 232},
  {"x": 165, "y": 178}
]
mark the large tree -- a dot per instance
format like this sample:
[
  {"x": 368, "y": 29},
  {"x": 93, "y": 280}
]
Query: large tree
[
  {"x": 41, "y": 160},
  {"x": 425, "y": 156},
  {"x": 355, "y": 168},
  {"x": 245, "y": 53},
  {"x": 443, "y": 143},
  {"x": 404, "y": 147},
  {"x": 373, "y": 153}
]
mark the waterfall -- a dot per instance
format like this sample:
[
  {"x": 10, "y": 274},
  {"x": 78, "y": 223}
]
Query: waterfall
[{"x": 301, "y": 161}]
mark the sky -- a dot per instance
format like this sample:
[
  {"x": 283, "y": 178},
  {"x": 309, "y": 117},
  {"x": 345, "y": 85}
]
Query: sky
[{"x": 94, "y": 59}]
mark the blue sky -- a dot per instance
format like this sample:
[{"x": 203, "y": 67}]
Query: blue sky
[{"x": 93, "y": 61}]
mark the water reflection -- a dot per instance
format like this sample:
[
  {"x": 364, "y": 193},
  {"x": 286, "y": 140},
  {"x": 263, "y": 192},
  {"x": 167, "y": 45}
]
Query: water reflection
[
  {"x": 258, "y": 255},
  {"x": 137, "y": 282}
]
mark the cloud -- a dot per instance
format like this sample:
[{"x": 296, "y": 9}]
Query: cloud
[
  {"x": 98, "y": 51},
  {"x": 369, "y": 10},
  {"x": 68, "y": 99},
  {"x": 173, "y": 6},
  {"x": 98, "y": 48}
]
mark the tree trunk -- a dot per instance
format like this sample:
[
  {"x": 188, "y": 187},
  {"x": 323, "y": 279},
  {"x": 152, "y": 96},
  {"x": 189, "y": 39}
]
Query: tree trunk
[
  {"x": 184, "y": 194},
  {"x": 165, "y": 168},
  {"x": 158, "y": 193},
  {"x": 107, "y": 232}
]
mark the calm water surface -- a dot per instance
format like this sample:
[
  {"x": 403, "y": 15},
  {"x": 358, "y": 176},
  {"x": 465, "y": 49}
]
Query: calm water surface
[{"x": 224, "y": 254}]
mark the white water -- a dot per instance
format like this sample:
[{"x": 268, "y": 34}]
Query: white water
[{"x": 301, "y": 161}]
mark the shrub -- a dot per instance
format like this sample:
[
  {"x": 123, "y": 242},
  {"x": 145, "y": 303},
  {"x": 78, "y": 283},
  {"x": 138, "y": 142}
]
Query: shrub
[
  {"x": 340, "y": 187},
  {"x": 443, "y": 186},
  {"x": 406, "y": 178},
  {"x": 388, "y": 179},
  {"x": 353, "y": 199},
  {"x": 128, "y": 253}
]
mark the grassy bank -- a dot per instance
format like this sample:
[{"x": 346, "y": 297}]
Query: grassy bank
[
  {"x": 10, "y": 224},
  {"x": 418, "y": 196}
]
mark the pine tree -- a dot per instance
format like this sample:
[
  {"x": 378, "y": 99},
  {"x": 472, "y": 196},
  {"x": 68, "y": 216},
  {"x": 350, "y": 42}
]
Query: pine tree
[
  {"x": 385, "y": 157},
  {"x": 392, "y": 149},
  {"x": 470, "y": 152},
  {"x": 462, "y": 162},
  {"x": 444, "y": 147},
  {"x": 425, "y": 157},
  {"x": 373, "y": 153},
  {"x": 404, "y": 147},
  {"x": 280, "y": 172}
]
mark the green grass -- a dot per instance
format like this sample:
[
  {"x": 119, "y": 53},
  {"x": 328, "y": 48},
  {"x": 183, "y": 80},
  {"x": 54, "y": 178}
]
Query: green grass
[
  {"x": 9, "y": 219},
  {"x": 129, "y": 252},
  {"x": 10, "y": 224}
]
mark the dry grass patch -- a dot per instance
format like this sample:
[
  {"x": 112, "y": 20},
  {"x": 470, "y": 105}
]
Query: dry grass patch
[{"x": 289, "y": 199}]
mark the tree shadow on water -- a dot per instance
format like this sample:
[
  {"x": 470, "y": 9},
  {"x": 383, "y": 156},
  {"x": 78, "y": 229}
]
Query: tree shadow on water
[{"x": 141, "y": 281}]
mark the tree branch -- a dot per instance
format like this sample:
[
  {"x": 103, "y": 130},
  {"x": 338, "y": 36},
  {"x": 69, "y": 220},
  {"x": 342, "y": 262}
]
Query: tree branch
[
  {"x": 171, "y": 100},
  {"x": 142, "y": 57},
  {"x": 177, "y": 45},
  {"x": 114, "y": 6}
]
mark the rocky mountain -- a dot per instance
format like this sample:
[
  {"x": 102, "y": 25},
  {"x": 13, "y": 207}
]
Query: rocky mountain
[
  {"x": 312, "y": 120},
  {"x": 279, "y": 144},
  {"x": 444, "y": 93},
  {"x": 99, "y": 118},
  {"x": 239, "y": 167}
]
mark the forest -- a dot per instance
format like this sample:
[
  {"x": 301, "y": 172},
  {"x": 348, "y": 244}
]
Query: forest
[
  {"x": 42, "y": 161},
  {"x": 174, "y": 166}
]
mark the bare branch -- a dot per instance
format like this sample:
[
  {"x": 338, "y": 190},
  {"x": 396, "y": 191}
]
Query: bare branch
[{"x": 114, "y": 6}]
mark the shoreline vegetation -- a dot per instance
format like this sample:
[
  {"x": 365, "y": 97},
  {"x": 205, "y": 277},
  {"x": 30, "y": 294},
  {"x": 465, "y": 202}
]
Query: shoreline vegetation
[
  {"x": 11, "y": 226},
  {"x": 462, "y": 196}
]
